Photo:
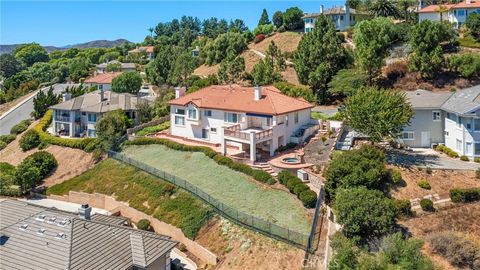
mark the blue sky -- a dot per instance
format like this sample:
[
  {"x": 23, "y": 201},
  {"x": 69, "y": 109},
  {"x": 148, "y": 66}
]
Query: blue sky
[{"x": 60, "y": 23}]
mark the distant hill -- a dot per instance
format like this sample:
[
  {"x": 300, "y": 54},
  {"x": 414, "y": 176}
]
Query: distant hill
[{"x": 90, "y": 44}]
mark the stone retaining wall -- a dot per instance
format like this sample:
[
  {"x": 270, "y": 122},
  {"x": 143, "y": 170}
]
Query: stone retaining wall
[{"x": 110, "y": 204}]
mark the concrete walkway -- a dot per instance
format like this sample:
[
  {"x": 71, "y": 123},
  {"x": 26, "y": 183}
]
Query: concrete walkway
[{"x": 419, "y": 157}]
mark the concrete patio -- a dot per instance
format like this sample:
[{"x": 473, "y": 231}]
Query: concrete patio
[{"x": 421, "y": 157}]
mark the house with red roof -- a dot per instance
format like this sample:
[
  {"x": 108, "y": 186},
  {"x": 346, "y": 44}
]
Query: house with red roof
[
  {"x": 148, "y": 50},
  {"x": 453, "y": 13},
  {"x": 103, "y": 81},
  {"x": 249, "y": 118}
]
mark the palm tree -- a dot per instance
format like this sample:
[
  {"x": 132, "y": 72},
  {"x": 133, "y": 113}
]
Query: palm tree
[
  {"x": 442, "y": 9},
  {"x": 151, "y": 31},
  {"x": 404, "y": 6},
  {"x": 384, "y": 8}
]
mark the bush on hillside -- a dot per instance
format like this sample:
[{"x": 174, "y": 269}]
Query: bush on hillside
[
  {"x": 424, "y": 184},
  {"x": 29, "y": 140},
  {"x": 308, "y": 198},
  {"x": 297, "y": 187},
  {"x": 446, "y": 150},
  {"x": 296, "y": 91},
  {"x": 144, "y": 224},
  {"x": 20, "y": 127},
  {"x": 2, "y": 145},
  {"x": 265, "y": 30},
  {"x": 403, "y": 207},
  {"x": 458, "y": 249},
  {"x": 395, "y": 176},
  {"x": 464, "y": 158},
  {"x": 44, "y": 161},
  {"x": 259, "y": 38},
  {"x": 7, "y": 138},
  {"x": 427, "y": 205},
  {"x": 465, "y": 195}
]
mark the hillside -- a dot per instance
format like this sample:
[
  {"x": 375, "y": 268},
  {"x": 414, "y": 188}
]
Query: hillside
[
  {"x": 8, "y": 48},
  {"x": 286, "y": 42}
]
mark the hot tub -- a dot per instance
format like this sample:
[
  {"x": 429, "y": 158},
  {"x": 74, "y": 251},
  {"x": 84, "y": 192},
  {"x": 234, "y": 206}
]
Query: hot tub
[{"x": 291, "y": 160}]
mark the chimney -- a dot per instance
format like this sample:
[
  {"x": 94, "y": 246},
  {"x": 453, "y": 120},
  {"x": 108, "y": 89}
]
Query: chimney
[
  {"x": 66, "y": 96},
  {"x": 102, "y": 95},
  {"x": 180, "y": 91},
  {"x": 468, "y": 2},
  {"x": 321, "y": 9},
  {"x": 257, "y": 93},
  {"x": 84, "y": 212}
]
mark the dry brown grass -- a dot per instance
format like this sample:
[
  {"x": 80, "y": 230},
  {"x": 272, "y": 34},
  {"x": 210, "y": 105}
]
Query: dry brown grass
[
  {"x": 239, "y": 248},
  {"x": 441, "y": 182},
  {"x": 286, "y": 41}
]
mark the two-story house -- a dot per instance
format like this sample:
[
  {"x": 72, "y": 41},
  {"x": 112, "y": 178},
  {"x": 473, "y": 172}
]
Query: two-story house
[
  {"x": 148, "y": 50},
  {"x": 452, "y": 119},
  {"x": 78, "y": 116},
  {"x": 342, "y": 17},
  {"x": 250, "y": 118},
  {"x": 102, "y": 81},
  {"x": 124, "y": 67},
  {"x": 453, "y": 13}
]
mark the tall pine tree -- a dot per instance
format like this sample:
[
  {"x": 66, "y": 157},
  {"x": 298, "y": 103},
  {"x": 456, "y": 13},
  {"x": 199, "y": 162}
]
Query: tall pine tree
[{"x": 264, "y": 18}]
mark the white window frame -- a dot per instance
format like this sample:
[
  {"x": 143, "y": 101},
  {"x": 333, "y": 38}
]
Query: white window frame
[
  {"x": 207, "y": 113},
  {"x": 94, "y": 115},
  {"x": 471, "y": 152},
  {"x": 192, "y": 113},
  {"x": 227, "y": 120},
  {"x": 179, "y": 117},
  {"x": 436, "y": 116},
  {"x": 459, "y": 145},
  {"x": 177, "y": 111},
  {"x": 408, "y": 137}
]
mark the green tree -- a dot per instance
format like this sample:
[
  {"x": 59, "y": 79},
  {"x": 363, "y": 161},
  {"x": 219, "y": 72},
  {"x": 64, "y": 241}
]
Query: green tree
[
  {"x": 388, "y": 112},
  {"x": 110, "y": 129},
  {"x": 269, "y": 69},
  {"x": 465, "y": 64},
  {"x": 372, "y": 39},
  {"x": 42, "y": 72},
  {"x": 158, "y": 70},
  {"x": 9, "y": 65},
  {"x": 345, "y": 253},
  {"x": 113, "y": 67},
  {"x": 473, "y": 25},
  {"x": 292, "y": 18},
  {"x": 42, "y": 101},
  {"x": 425, "y": 39},
  {"x": 128, "y": 82},
  {"x": 183, "y": 67},
  {"x": 30, "y": 53},
  {"x": 78, "y": 68},
  {"x": 319, "y": 56},
  {"x": 27, "y": 178},
  {"x": 70, "y": 53},
  {"x": 384, "y": 8},
  {"x": 277, "y": 19},
  {"x": 218, "y": 49},
  {"x": 264, "y": 18},
  {"x": 364, "y": 213},
  {"x": 231, "y": 69},
  {"x": 405, "y": 253},
  {"x": 30, "y": 139},
  {"x": 347, "y": 81}
]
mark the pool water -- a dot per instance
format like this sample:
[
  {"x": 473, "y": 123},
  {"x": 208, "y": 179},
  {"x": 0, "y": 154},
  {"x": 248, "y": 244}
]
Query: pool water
[{"x": 291, "y": 160}]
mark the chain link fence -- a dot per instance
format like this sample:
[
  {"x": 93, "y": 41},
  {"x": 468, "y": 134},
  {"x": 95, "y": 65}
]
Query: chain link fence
[{"x": 265, "y": 227}]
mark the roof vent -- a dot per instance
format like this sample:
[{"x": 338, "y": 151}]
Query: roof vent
[
  {"x": 62, "y": 223},
  {"x": 41, "y": 217},
  {"x": 23, "y": 227},
  {"x": 257, "y": 92},
  {"x": 61, "y": 235},
  {"x": 85, "y": 211},
  {"x": 51, "y": 220},
  {"x": 41, "y": 231}
]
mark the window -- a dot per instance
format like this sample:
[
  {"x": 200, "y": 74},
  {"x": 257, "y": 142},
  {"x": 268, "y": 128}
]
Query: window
[
  {"x": 446, "y": 133},
  {"x": 231, "y": 117},
  {"x": 477, "y": 148},
  {"x": 468, "y": 148},
  {"x": 180, "y": 111},
  {"x": 436, "y": 116},
  {"x": 459, "y": 122},
  {"x": 207, "y": 113},
  {"x": 461, "y": 12},
  {"x": 476, "y": 124},
  {"x": 91, "y": 133},
  {"x": 213, "y": 130},
  {"x": 192, "y": 113},
  {"x": 269, "y": 122},
  {"x": 459, "y": 145},
  {"x": 205, "y": 134},
  {"x": 92, "y": 117},
  {"x": 180, "y": 120},
  {"x": 100, "y": 87},
  {"x": 341, "y": 17},
  {"x": 408, "y": 135},
  {"x": 296, "y": 117}
]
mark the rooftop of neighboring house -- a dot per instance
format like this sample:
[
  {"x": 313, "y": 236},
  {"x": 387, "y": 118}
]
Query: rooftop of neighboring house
[
  {"x": 331, "y": 11},
  {"x": 124, "y": 65},
  {"x": 148, "y": 49},
  {"x": 464, "y": 4},
  {"x": 242, "y": 99},
  {"x": 103, "y": 78},
  {"x": 91, "y": 102},
  {"x": 46, "y": 238},
  {"x": 424, "y": 99}
]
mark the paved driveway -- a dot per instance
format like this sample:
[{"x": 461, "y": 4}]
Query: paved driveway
[
  {"x": 428, "y": 158},
  {"x": 22, "y": 112}
]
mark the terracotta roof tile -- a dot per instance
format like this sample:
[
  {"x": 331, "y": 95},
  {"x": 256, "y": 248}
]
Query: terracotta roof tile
[
  {"x": 103, "y": 78},
  {"x": 241, "y": 99},
  {"x": 434, "y": 8},
  {"x": 148, "y": 49}
]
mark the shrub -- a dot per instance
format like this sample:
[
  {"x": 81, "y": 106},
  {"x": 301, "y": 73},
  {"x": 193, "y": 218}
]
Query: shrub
[
  {"x": 396, "y": 70},
  {"x": 465, "y": 195},
  {"x": 263, "y": 177},
  {"x": 20, "y": 127},
  {"x": 395, "y": 176},
  {"x": 464, "y": 158},
  {"x": 477, "y": 173},
  {"x": 296, "y": 91},
  {"x": 427, "y": 205},
  {"x": 465, "y": 64},
  {"x": 29, "y": 140},
  {"x": 265, "y": 30},
  {"x": 292, "y": 182},
  {"x": 144, "y": 224},
  {"x": 42, "y": 160},
  {"x": 308, "y": 198},
  {"x": 6, "y": 168},
  {"x": 403, "y": 207},
  {"x": 285, "y": 147},
  {"x": 424, "y": 184},
  {"x": 428, "y": 170},
  {"x": 299, "y": 188},
  {"x": 477, "y": 160},
  {"x": 457, "y": 248},
  {"x": 447, "y": 150},
  {"x": 259, "y": 38},
  {"x": 2, "y": 145},
  {"x": 153, "y": 129},
  {"x": 7, "y": 138}
]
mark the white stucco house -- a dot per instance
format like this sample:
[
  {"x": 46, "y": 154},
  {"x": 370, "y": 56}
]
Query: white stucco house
[
  {"x": 102, "y": 81},
  {"x": 452, "y": 119},
  {"x": 148, "y": 50},
  {"x": 124, "y": 67},
  {"x": 342, "y": 17},
  {"x": 249, "y": 118},
  {"x": 454, "y": 13}
]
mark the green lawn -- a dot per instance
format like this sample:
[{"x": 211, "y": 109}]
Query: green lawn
[
  {"x": 230, "y": 187},
  {"x": 142, "y": 191}
]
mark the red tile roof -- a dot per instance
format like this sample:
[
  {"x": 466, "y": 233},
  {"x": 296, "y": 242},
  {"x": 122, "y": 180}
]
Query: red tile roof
[
  {"x": 434, "y": 8},
  {"x": 241, "y": 99},
  {"x": 148, "y": 49},
  {"x": 103, "y": 78}
]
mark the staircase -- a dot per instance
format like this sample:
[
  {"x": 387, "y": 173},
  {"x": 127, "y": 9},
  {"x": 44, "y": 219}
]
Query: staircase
[{"x": 264, "y": 166}]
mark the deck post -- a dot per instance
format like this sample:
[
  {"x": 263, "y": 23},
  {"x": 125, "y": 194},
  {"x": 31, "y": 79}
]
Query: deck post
[{"x": 253, "y": 146}]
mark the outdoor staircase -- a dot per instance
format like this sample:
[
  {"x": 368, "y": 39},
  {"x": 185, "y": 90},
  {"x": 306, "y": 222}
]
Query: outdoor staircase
[{"x": 264, "y": 166}]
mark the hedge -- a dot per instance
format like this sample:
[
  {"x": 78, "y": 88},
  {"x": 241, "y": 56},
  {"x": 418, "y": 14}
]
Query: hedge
[
  {"x": 446, "y": 150},
  {"x": 84, "y": 143},
  {"x": 29, "y": 140},
  {"x": 7, "y": 138},
  {"x": 297, "y": 187},
  {"x": 20, "y": 127},
  {"x": 465, "y": 195},
  {"x": 258, "y": 175}
]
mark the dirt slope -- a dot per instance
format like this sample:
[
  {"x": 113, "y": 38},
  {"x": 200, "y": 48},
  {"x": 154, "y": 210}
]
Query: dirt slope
[{"x": 286, "y": 42}]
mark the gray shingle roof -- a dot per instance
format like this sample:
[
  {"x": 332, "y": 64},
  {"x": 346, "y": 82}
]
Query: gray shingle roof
[
  {"x": 90, "y": 102},
  {"x": 124, "y": 65},
  {"x": 332, "y": 11},
  {"x": 424, "y": 99},
  {"x": 463, "y": 101},
  {"x": 77, "y": 244}
]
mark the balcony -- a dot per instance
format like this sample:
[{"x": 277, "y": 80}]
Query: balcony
[
  {"x": 62, "y": 118},
  {"x": 237, "y": 132}
]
